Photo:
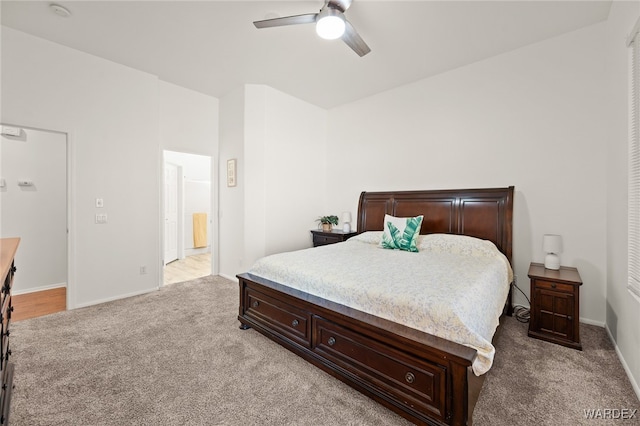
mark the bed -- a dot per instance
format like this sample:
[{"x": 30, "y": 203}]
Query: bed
[{"x": 426, "y": 378}]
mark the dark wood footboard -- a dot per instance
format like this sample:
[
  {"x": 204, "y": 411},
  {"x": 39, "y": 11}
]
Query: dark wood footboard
[{"x": 424, "y": 378}]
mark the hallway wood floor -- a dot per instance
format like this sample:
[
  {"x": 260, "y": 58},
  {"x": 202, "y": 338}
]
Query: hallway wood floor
[{"x": 189, "y": 268}]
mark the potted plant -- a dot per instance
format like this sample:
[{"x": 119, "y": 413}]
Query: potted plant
[{"x": 327, "y": 222}]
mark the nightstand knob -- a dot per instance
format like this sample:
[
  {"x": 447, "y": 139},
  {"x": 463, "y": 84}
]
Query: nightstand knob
[
  {"x": 553, "y": 285},
  {"x": 569, "y": 318},
  {"x": 331, "y": 341},
  {"x": 294, "y": 323},
  {"x": 256, "y": 304}
]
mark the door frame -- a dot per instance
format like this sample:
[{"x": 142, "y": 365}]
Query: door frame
[
  {"x": 211, "y": 230},
  {"x": 179, "y": 211}
]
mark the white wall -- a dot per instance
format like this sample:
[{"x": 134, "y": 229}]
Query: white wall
[
  {"x": 532, "y": 118},
  {"x": 189, "y": 121},
  {"x": 232, "y": 211},
  {"x": 117, "y": 119},
  {"x": 622, "y": 310},
  {"x": 295, "y": 134},
  {"x": 279, "y": 143},
  {"x": 110, "y": 113}
]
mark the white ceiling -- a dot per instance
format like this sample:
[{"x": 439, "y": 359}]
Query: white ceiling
[{"x": 212, "y": 46}]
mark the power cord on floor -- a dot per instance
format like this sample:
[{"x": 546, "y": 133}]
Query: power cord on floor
[{"x": 521, "y": 313}]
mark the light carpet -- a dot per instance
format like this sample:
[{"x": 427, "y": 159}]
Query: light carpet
[{"x": 177, "y": 357}]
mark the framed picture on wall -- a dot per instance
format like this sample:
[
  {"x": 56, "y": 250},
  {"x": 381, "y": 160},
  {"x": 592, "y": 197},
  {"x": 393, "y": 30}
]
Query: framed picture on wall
[{"x": 231, "y": 172}]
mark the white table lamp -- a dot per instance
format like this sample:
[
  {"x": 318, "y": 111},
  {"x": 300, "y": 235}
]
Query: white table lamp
[
  {"x": 552, "y": 245},
  {"x": 346, "y": 221}
]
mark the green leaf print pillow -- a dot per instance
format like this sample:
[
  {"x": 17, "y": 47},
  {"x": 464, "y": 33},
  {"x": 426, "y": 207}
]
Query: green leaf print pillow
[{"x": 401, "y": 233}]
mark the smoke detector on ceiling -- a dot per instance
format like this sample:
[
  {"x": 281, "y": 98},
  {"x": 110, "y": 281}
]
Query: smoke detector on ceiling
[{"x": 60, "y": 11}]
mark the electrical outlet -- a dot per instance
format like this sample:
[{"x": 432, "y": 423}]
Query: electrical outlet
[{"x": 143, "y": 270}]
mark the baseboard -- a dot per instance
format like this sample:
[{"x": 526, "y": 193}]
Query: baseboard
[
  {"x": 592, "y": 322},
  {"x": 37, "y": 289},
  {"x": 193, "y": 251},
  {"x": 111, "y": 299},
  {"x": 230, "y": 278},
  {"x": 634, "y": 384}
]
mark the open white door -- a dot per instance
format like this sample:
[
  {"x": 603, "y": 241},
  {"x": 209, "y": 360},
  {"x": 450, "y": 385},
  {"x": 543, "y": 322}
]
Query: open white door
[{"x": 170, "y": 212}]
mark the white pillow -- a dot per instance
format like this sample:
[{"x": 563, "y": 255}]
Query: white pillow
[{"x": 401, "y": 233}]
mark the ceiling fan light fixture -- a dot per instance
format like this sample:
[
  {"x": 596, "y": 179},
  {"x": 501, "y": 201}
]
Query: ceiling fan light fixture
[{"x": 330, "y": 24}]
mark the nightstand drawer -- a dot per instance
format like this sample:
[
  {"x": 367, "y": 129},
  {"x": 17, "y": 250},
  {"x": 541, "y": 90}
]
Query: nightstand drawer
[
  {"x": 550, "y": 285},
  {"x": 321, "y": 240}
]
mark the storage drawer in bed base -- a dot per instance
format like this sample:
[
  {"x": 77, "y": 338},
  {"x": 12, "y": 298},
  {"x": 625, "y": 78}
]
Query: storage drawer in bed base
[
  {"x": 421, "y": 377},
  {"x": 417, "y": 383},
  {"x": 279, "y": 316}
]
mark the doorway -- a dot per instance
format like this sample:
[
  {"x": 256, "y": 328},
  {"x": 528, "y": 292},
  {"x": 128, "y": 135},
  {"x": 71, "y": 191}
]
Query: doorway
[
  {"x": 187, "y": 217},
  {"x": 33, "y": 207}
]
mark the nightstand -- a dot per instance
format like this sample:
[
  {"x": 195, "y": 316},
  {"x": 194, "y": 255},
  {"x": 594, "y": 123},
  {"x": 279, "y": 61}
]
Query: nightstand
[
  {"x": 322, "y": 238},
  {"x": 555, "y": 305}
]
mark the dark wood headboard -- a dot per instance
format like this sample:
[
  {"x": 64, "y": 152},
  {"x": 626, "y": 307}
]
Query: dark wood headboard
[{"x": 481, "y": 213}]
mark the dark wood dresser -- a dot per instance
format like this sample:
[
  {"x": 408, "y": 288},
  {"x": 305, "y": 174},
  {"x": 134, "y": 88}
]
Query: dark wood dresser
[
  {"x": 8, "y": 248},
  {"x": 322, "y": 238},
  {"x": 555, "y": 305}
]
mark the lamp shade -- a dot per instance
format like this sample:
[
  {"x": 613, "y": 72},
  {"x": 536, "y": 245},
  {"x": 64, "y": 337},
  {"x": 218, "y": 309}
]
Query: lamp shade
[
  {"x": 346, "y": 221},
  {"x": 552, "y": 243}
]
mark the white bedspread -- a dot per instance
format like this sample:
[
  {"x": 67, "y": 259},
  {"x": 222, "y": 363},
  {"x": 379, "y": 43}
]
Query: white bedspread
[{"x": 455, "y": 287}]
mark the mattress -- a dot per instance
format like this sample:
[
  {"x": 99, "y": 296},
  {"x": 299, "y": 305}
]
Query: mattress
[{"x": 454, "y": 287}]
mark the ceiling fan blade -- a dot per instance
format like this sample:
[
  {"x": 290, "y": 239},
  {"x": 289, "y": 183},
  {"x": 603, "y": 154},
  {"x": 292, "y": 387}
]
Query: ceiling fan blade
[
  {"x": 287, "y": 20},
  {"x": 354, "y": 41}
]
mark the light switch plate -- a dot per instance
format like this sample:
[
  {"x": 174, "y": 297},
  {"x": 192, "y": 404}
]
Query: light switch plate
[{"x": 101, "y": 218}]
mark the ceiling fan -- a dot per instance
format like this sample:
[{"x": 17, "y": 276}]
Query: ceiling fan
[{"x": 330, "y": 24}]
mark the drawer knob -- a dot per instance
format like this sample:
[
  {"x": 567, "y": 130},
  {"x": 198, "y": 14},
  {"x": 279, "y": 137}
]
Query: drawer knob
[
  {"x": 331, "y": 341},
  {"x": 570, "y": 318},
  {"x": 294, "y": 323},
  {"x": 256, "y": 304},
  {"x": 553, "y": 285},
  {"x": 410, "y": 377}
]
